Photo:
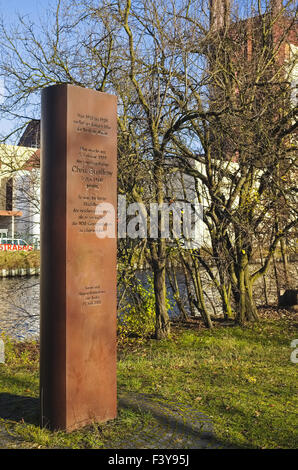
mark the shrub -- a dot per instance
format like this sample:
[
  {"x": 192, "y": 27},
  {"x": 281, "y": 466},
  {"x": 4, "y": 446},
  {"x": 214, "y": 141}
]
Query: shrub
[{"x": 137, "y": 317}]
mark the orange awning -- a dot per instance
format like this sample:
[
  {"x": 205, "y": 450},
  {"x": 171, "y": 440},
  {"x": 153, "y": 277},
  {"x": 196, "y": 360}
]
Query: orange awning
[{"x": 11, "y": 213}]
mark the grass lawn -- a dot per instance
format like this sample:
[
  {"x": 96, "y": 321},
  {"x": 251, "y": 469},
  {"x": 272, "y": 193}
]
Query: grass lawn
[{"x": 242, "y": 378}]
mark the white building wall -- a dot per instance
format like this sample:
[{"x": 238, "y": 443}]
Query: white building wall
[{"x": 27, "y": 200}]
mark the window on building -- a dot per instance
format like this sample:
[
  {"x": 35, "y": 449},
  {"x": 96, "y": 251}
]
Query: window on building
[{"x": 9, "y": 194}]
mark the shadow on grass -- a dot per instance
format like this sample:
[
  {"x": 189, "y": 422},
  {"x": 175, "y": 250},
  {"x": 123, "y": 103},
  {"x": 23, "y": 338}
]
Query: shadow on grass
[
  {"x": 172, "y": 421},
  {"x": 18, "y": 408}
]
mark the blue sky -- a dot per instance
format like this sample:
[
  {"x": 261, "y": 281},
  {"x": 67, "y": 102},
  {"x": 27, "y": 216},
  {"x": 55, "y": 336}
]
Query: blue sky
[
  {"x": 10, "y": 9},
  {"x": 36, "y": 9}
]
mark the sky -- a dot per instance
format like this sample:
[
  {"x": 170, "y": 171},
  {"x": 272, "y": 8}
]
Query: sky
[
  {"x": 10, "y": 9},
  {"x": 35, "y": 9}
]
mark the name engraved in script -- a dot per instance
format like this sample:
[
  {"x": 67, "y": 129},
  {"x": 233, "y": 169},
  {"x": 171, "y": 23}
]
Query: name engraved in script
[{"x": 92, "y": 166}]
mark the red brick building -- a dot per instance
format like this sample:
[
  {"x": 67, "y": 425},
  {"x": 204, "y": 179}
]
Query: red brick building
[{"x": 257, "y": 53}]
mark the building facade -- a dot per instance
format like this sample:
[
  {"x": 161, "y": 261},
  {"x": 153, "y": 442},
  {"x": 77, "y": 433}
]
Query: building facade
[{"x": 19, "y": 193}]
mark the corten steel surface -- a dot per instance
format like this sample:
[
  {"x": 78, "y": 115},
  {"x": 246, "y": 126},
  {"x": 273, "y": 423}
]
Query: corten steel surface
[{"x": 78, "y": 270}]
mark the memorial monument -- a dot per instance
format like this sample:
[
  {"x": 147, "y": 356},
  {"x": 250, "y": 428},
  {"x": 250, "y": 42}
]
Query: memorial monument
[{"x": 78, "y": 269}]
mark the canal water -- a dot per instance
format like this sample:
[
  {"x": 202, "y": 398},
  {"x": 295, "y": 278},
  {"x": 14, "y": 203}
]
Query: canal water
[
  {"x": 20, "y": 306},
  {"x": 19, "y": 302}
]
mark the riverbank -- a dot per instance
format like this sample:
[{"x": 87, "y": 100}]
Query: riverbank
[
  {"x": 241, "y": 379},
  {"x": 19, "y": 263}
]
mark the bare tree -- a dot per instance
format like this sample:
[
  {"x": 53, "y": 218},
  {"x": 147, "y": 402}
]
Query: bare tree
[{"x": 201, "y": 92}]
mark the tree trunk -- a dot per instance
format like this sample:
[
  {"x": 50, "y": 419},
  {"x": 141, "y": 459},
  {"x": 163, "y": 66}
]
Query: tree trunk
[
  {"x": 285, "y": 262},
  {"x": 251, "y": 309},
  {"x": 226, "y": 303},
  {"x": 162, "y": 326},
  {"x": 276, "y": 279},
  {"x": 190, "y": 295},
  {"x": 264, "y": 280},
  {"x": 247, "y": 310},
  {"x": 200, "y": 296},
  {"x": 242, "y": 302},
  {"x": 176, "y": 292}
]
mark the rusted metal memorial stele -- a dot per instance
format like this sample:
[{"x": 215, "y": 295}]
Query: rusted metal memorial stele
[{"x": 78, "y": 269}]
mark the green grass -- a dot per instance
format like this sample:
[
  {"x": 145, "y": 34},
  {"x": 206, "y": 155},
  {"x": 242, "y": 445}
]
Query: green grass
[
  {"x": 242, "y": 378},
  {"x": 19, "y": 259}
]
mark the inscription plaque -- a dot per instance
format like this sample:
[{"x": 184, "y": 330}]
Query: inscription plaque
[{"x": 78, "y": 269}]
